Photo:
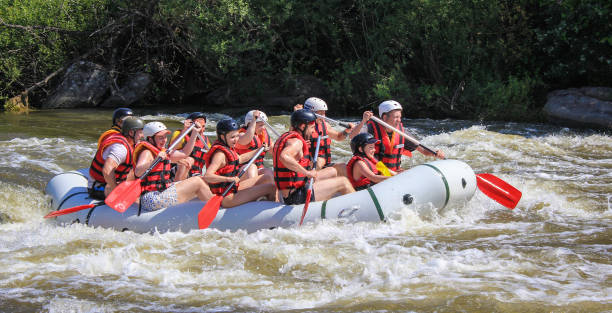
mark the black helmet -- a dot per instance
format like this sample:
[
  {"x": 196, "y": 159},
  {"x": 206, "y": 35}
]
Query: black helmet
[
  {"x": 131, "y": 123},
  {"x": 361, "y": 140},
  {"x": 121, "y": 112},
  {"x": 225, "y": 126},
  {"x": 303, "y": 116},
  {"x": 196, "y": 115}
]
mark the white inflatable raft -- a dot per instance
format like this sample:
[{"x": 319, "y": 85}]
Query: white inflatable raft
[{"x": 436, "y": 185}]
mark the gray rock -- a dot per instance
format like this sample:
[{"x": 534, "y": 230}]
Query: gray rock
[
  {"x": 585, "y": 107},
  {"x": 84, "y": 85},
  {"x": 135, "y": 89}
]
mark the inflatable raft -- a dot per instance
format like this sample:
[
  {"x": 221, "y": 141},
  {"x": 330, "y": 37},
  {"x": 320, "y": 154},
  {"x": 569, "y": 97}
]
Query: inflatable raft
[{"x": 436, "y": 185}]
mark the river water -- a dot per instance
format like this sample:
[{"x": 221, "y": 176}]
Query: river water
[{"x": 553, "y": 252}]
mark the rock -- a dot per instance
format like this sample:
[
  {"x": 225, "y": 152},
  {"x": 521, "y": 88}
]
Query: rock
[
  {"x": 135, "y": 89},
  {"x": 84, "y": 85},
  {"x": 585, "y": 107},
  {"x": 17, "y": 104}
]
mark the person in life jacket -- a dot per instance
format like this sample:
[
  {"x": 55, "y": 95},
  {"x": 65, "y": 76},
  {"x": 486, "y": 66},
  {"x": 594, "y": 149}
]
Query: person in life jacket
[
  {"x": 361, "y": 168},
  {"x": 194, "y": 164},
  {"x": 223, "y": 165},
  {"x": 322, "y": 128},
  {"x": 158, "y": 191},
  {"x": 254, "y": 135},
  {"x": 391, "y": 146},
  {"x": 113, "y": 163},
  {"x": 293, "y": 164},
  {"x": 118, "y": 116}
]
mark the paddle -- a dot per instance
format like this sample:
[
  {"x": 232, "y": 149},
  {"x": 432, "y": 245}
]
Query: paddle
[
  {"x": 272, "y": 129},
  {"x": 492, "y": 186},
  {"x": 309, "y": 191},
  {"x": 128, "y": 191},
  {"x": 343, "y": 124},
  {"x": 70, "y": 210},
  {"x": 210, "y": 209}
]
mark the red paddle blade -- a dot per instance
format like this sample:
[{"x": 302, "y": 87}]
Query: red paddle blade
[
  {"x": 70, "y": 210},
  {"x": 308, "y": 193},
  {"x": 498, "y": 190},
  {"x": 124, "y": 195},
  {"x": 209, "y": 211}
]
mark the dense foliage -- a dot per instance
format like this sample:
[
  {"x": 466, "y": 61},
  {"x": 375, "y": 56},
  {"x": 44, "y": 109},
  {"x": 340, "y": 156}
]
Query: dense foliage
[{"x": 453, "y": 58}]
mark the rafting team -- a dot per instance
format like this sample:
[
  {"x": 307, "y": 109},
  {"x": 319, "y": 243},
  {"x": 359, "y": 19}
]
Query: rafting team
[{"x": 197, "y": 167}]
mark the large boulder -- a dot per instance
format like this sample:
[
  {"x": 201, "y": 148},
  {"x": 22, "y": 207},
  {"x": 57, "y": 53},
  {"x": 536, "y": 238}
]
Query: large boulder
[
  {"x": 135, "y": 89},
  {"x": 84, "y": 85},
  {"x": 580, "y": 107}
]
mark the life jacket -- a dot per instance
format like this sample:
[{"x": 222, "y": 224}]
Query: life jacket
[
  {"x": 389, "y": 151},
  {"x": 199, "y": 151},
  {"x": 255, "y": 144},
  {"x": 363, "y": 182},
  {"x": 285, "y": 178},
  {"x": 113, "y": 130},
  {"x": 325, "y": 146},
  {"x": 159, "y": 177},
  {"x": 229, "y": 170},
  {"x": 121, "y": 172}
]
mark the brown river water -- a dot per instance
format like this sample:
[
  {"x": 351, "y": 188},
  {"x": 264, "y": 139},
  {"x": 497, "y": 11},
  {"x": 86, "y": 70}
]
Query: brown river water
[{"x": 552, "y": 253}]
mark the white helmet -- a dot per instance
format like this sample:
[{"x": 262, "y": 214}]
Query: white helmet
[
  {"x": 152, "y": 128},
  {"x": 249, "y": 117},
  {"x": 315, "y": 104},
  {"x": 388, "y": 106}
]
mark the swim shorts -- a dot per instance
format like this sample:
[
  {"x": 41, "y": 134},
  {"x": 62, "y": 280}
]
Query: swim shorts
[
  {"x": 156, "y": 200},
  {"x": 298, "y": 196}
]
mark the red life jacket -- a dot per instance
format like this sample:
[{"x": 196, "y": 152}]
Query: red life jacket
[
  {"x": 159, "y": 177},
  {"x": 284, "y": 177},
  {"x": 363, "y": 182},
  {"x": 389, "y": 151},
  {"x": 121, "y": 172},
  {"x": 113, "y": 130},
  {"x": 198, "y": 153},
  {"x": 229, "y": 170},
  {"x": 255, "y": 144},
  {"x": 325, "y": 146}
]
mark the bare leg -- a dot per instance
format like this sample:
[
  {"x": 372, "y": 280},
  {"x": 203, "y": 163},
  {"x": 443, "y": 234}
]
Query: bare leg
[
  {"x": 251, "y": 172},
  {"x": 326, "y": 173},
  {"x": 193, "y": 187},
  {"x": 327, "y": 188},
  {"x": 340, "y": 168},
  {"x": 249, "y": 194}
]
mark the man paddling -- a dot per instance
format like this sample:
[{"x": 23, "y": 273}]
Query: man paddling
[
  {"x": 322, "y": 128},
  {"x": 391, "y": 146},
  {"x": 112, "y": 163},
  {"x": 292, "y": 164}
]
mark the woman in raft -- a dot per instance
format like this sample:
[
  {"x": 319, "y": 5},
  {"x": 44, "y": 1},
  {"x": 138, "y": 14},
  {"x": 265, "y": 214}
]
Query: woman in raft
[
  {"x": 158, "y": 191},
  {"x": 361, "y": 169},
  {"x": 223, "y": 165}
]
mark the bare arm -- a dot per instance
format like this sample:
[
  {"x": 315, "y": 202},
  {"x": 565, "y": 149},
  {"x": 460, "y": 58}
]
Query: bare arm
[
  {"x": 178, "y": 155},
  {"x": 357, "y": 129},
  {"x": 246, "y": 157},
  {"x": 288, "y": 156},
  {"x": 108, "y": 171},
  {"x": 217, "y": 161},
  {"x": 145, "y": 159},
  {"x": 364, "y": 170}
]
